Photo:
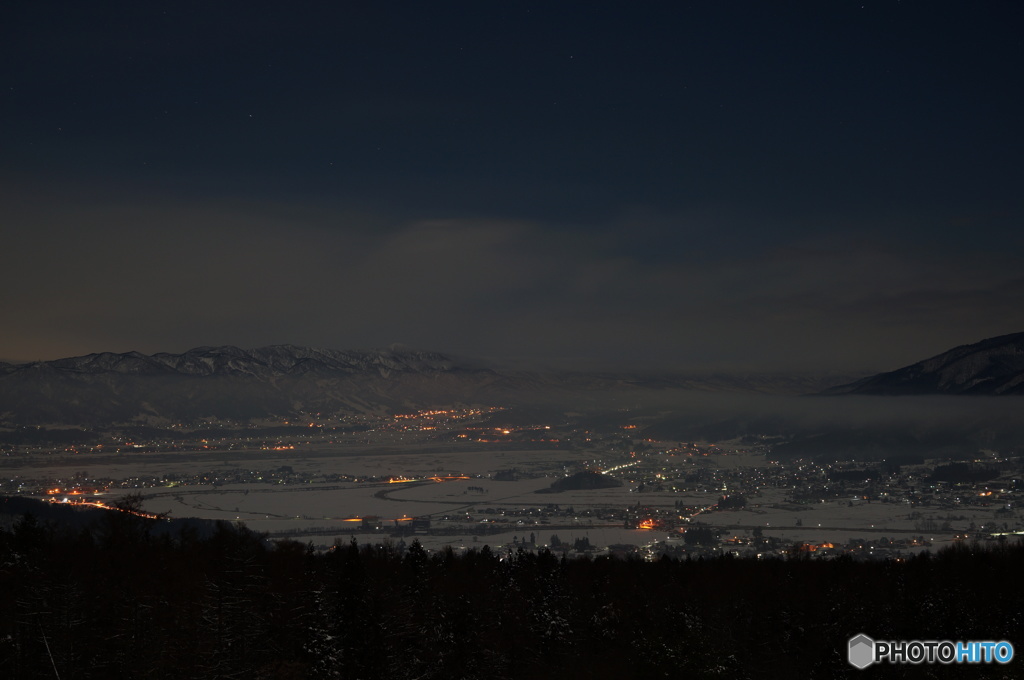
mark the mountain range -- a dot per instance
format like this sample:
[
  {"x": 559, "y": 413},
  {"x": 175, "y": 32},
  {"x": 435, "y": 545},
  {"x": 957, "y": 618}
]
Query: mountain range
[
  {"x": 222, "y": 383},
  {"x": 284, "y": 380},
  {"x": 229, "y": 383}
]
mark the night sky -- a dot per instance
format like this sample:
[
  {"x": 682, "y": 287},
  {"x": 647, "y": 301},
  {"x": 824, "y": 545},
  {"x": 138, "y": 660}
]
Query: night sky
[{"x": 693, "y": 185}]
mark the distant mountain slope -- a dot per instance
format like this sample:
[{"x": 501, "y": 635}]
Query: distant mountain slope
[
  {"x": 263, "y": 363},
  {"x": 990, "y": 367},
  {"x": 223, "y": 382}
]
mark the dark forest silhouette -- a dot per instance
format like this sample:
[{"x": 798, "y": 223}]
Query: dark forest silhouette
[{"x": 118, "y": 600}]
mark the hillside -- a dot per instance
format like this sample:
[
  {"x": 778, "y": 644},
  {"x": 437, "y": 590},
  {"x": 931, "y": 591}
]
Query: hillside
[{"x": 991, "y": 367}]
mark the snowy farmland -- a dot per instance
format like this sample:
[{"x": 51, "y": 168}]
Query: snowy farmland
[{"x": 472, "y": 497}]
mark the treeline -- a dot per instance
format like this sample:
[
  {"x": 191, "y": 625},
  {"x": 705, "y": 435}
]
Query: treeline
[{"x": 116, "y": 600}]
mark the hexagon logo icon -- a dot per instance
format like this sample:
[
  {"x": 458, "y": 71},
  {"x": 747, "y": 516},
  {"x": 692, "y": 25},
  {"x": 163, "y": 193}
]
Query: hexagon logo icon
[{"x": 861, "y": 653}]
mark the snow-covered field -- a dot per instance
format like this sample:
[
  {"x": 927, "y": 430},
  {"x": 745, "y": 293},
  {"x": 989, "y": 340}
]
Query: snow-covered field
[{"x": 314, "y": 505}]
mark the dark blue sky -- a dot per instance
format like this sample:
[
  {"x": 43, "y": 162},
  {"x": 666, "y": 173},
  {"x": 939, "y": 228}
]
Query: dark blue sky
[{"x": 793, "y": 185}]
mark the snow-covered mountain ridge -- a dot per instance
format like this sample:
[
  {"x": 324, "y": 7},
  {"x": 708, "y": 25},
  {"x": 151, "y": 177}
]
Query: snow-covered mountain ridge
[
  {"x": 991, "y": 367},
  {"x": 263, "y": 362}
]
